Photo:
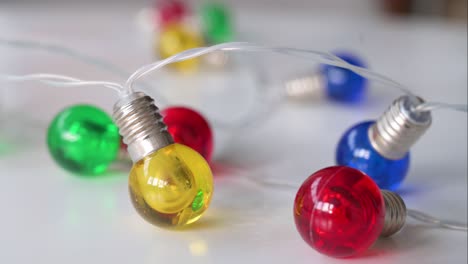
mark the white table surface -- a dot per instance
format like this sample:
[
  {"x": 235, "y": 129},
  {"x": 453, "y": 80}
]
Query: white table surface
[{"x": 51, "y": 216}]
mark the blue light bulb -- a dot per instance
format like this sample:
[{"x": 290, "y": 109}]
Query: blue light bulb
[
  {"x": 343, "y": 85},
  {"x": 355, "y": 150},
  {"x": 381, "y": 148}
]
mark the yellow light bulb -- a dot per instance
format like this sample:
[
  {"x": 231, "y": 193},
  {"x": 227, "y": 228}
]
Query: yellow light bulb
[
  {"x": 172, "y": 186},
  {"x": 176, "y": 38}
]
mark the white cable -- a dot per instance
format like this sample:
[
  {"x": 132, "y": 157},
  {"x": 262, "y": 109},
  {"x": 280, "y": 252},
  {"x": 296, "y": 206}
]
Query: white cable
[
  {"x": 60, "y": 80},
  {"x": 428, "y": 106},
  {"x": 323, "y": 57},
  {"x": 423, "y": 217},
  {"x": 90, "y": 60},
  {"x": 52, "y": 48}
]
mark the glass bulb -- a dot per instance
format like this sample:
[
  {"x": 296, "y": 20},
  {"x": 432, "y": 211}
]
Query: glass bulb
[
  {"x": 189, "y": 128},
  {"x": 355, "y": 150},
  {"x": 339, "y": 211},
  {"x": 217, "y": 23},
  {"x": 171, "y": 187},
  {"x": 176, "y": 38},
  {"x": 342, "y": 84},
  {"x": 83, "y": 139},
  {"x": 170, "y": 11}
]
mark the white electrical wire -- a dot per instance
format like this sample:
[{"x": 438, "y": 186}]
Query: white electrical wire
[
  {"x": 57, "y": 49},
  {"x": 61, "y": 81},
  {"x": 423, "y": 217},
  {"x": 323, "y": 57},
  {"x": 429, "y": 106},
  {"x": 318, "y": 56}
]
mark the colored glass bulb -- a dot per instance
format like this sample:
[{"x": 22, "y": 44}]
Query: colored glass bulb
[
  {"x": 217, "y": 23},
  {"x": 170, "y": 12},
  {"x": 339, "y": 211},
  {"x": 83, "y": 139},
  {"x": 176, "y": 38},
  {"x": 170, "y": 184},
  {"x": 343, "y": 85},
  {"x": 171, "y": 187},
  {"x": 355, "y": 150},
  {"x": 189, "y": 128}
]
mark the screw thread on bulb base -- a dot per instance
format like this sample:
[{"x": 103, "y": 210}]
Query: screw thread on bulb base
[
  {"x": 141, "y": 125},
  {"x": 305, "y": 87},
  {"x": 395, "y": 213},
  {"x": 399, "y": 127}
]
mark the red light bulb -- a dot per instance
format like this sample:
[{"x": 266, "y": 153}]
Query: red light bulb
[
  {"x": 123, "y": 146},
  {"x": 123, "y": 151},
  {"x": 170, "y": 11},
  {"x": 339, "y": 211},
  {"x": 189, "y": 128}
]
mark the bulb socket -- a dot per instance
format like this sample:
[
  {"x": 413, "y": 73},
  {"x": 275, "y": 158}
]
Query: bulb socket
[
  {"x": 305, "y": 87},
  {"x": 141, "y": 125},
  {"x": 399, "y": 127},
  {"x": 395, "y": 213}
]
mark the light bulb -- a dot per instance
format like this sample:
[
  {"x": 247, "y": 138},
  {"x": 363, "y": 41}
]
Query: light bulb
[
  {"x": 189, "y": 128},
  {"x": 217, "y": 24},
  {"x": 343, "y": 85},
  {"x": 169, "y": 12},
  {"x": 170, "y": 184},
  {"x": 340, "y": 211},
  {"x": 176, "y": 38},
  {"x": 335, "y": 83},
  {"x": 83, "y": 139},
  {"x": 381, "y": 148}
]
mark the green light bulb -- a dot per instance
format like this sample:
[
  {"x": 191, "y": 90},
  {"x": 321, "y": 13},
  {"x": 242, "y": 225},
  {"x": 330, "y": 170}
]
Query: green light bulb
[
  {"x": 217, "y": 22},
  {"x": 83, "y": 139}
]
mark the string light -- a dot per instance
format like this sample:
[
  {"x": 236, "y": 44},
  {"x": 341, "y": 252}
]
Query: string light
[
  {"x": 381, "y": 148},
  {"x": 84, "y": 140},
  {"x": 213, "y": 20},
  {"x": 171, "y": 184},
  {"x": 189, "y": 128},
  {"x": 340, "y": 212},
  {"x": 335, "y": 83},
  {"x": 216, "y": 22},
  {"x": 168, "y": 12},
  {"x": 176, "y": 29},
  {"x": 176, "y": 38}
]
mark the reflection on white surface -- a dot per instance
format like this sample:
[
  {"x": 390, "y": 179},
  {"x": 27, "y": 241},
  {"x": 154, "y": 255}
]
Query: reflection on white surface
[{"x": 198, "y": 248}]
